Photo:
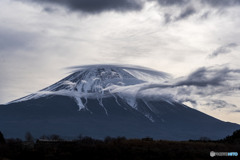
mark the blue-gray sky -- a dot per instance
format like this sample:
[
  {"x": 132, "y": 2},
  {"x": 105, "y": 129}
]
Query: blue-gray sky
[{"x": 195, "y": 39}]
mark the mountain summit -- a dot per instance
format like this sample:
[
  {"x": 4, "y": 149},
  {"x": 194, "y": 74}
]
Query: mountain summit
[
  {"x": 108, "y": 100},
  {"x": 101, "y": 81}
]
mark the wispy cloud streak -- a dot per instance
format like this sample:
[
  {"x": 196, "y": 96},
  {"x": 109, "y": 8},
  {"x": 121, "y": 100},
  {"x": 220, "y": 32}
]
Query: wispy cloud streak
[{"x": 225, "y": 49}]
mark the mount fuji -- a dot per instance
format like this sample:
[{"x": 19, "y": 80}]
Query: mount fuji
[{"x": 109, "y": 100}]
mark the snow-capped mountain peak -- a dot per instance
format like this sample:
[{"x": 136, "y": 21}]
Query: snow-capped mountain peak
[
  {"x": 99, "y": 81},
  {"x": 94, "y": 79},
  {"x": 112, "y": 100}
]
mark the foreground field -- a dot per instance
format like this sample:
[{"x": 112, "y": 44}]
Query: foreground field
[{"x": 54, "y": 148}]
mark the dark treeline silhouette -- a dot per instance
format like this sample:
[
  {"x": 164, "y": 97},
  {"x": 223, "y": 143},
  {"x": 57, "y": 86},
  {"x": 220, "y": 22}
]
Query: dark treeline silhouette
[
  {"x": 235, "y": 138},
  {"x": 56, "y": 148}
]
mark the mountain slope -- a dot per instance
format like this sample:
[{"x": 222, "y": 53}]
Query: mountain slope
[{"x": 100, "y": 101}]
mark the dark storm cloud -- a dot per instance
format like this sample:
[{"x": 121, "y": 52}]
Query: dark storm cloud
[
  {"x": 223, "y": 50},
  {"x": 95, "y": 6}
]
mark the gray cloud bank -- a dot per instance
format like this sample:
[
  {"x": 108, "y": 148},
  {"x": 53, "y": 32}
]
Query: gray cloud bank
[
  {"x": 14, "y": 40},
  {"x": 223, "y": 50},
  {"x": 214, "y": 3},
  {"x": 210, "y": 77},
  {"x": 95, "y": 6},
  {"x": 219, "y": 104},
  {"x": 221, "y": 3},
  {"x": 197, "y": 88},
  {"x": 183, "y": 15},
  {"x": 186, "y": 13},
  {"x": 173, "y": 2}
]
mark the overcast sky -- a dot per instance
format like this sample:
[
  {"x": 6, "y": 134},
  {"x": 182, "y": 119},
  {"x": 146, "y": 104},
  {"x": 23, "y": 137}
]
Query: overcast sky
[{"x": 186, "y": 38}]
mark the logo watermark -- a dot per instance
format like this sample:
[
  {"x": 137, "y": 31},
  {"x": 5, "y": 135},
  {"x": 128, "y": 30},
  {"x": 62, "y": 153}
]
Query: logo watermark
[{"x": 213, "y": 154}]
